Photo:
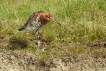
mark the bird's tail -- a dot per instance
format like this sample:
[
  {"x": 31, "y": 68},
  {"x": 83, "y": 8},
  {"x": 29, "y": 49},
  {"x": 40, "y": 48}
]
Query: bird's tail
[{"x": 21, "y": 29}]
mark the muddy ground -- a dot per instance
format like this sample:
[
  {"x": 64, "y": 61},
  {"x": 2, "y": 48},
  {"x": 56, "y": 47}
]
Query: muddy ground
[{"x": 25, "y": 61}]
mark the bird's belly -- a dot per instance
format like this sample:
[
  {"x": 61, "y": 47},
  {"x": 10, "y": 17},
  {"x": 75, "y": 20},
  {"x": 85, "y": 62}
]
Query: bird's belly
[
  {"x": 33, "y": 26},
  {"x": 29, "y": 28}
]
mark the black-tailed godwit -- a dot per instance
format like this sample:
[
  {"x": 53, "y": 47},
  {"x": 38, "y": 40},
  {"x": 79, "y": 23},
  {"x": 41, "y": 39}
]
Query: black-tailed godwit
[{"x": 37, "y": 20}]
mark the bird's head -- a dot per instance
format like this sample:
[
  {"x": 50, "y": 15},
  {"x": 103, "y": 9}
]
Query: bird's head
[{"x": 50, "y": 18}]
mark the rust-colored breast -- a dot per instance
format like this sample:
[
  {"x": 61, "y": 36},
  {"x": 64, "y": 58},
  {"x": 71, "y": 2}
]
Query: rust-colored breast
[{"x": 43, "y": 18}]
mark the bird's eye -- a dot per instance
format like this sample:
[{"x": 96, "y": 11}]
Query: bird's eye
[{"x": 48, "y": 16}]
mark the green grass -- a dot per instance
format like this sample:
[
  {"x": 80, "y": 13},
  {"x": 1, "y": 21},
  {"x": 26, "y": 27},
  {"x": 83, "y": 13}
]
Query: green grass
[{"x": 81, "y": 21}]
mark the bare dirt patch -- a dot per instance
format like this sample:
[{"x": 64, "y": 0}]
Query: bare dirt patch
[{"x": 24, "y": 61}]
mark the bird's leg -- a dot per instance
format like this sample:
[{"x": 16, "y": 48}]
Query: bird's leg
[
  {"x": 33, "y": 32},
  {"x": 38, "y": 39}
]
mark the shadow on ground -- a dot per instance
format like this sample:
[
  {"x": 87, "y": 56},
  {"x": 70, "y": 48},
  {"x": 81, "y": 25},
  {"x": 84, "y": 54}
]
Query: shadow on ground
[{"x": 15, "y": 43}]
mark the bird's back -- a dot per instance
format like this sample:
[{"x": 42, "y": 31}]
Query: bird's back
[{"x": 33, "y": 22}]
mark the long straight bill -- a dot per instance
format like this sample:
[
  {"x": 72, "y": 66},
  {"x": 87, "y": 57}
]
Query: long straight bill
[{"x": 54, "y": 21}]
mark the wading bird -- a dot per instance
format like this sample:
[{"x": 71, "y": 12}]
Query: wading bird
[{"x": 36, "y": 21}]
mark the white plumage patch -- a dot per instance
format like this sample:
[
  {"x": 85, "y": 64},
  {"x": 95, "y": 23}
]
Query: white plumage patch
[{"x": 33, "y": 26}]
